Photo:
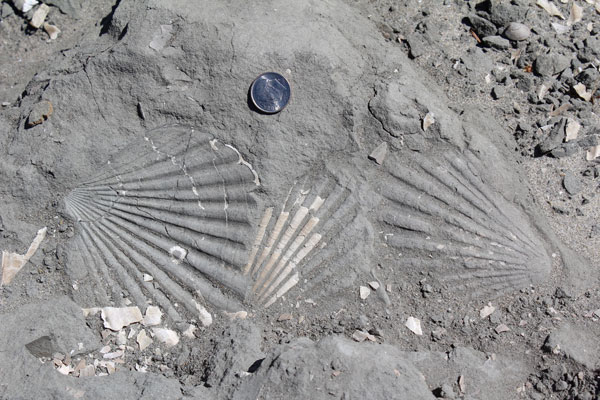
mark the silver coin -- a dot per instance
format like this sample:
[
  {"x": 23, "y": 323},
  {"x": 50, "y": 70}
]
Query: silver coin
[{"x": 270, "y": 92}]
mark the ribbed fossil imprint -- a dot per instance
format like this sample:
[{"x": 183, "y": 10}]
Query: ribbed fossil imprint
[
  {"x": 179, "y": 211},
  {"x": 442, "y": 216}
]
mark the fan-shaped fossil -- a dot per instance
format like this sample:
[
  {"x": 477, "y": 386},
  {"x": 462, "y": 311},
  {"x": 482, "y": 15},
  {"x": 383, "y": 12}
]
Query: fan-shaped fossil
[
  {"x": 443, "y": 217},
  {"x": 178, "y": 209},
  {"x": 307, "y": 221}
]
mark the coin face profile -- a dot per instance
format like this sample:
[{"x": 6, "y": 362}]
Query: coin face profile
[{"x": 270, "y": 92}]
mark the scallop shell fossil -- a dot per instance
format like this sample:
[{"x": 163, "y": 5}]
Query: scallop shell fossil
[
  {"x": 179, "y": 211},
  {"x": 296, "y": 244},
  {"x": 443, "y": 217}
]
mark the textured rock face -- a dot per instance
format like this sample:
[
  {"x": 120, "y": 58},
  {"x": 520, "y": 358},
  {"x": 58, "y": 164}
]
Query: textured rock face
[
  {"x": 248, "y": 207},
  {"x": 336, "y": 367}
]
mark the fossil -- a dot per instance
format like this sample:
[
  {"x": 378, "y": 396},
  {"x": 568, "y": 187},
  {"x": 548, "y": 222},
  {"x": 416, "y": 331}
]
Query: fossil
[
  {"x": 307, "y": 221},
  {"x": 443, "y": 217},
  {"x": 176, "y": 207}
]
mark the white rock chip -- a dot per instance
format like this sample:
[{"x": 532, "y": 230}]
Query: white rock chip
[
  {"x": 189, "y": 332},
  {"x": 487, "y": 311},
  {"x": 122, "y": 338},
  {"x": 51, "y": 30},
  {"x": 13, "y": 262},
  {"x": 116, "y": 318},
  {"x": 24, "y": 5},
  {"x": 414, "y": 325},
  {"x": 374, "y": 285},
  {"x": 88, "y": 370},
  {"x": 143, "y": 340},
  {"x": 428, "y": 121},
  {"x": 582, "y": 92},
  {"x": 592, "y": 153},
  {"x": 166, "y": 336},
  {"x": 550, "y": 8},
  {"x": 147, "y": 278},
  {"x": 364, "y": 292},
  {"x": 572, "y": 129},
  {"x": 152, "y": 317},
  {"x": 39, "y": 16}
]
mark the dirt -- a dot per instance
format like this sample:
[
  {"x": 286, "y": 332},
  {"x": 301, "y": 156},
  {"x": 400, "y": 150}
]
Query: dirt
[{"x": 155, "y": 178}]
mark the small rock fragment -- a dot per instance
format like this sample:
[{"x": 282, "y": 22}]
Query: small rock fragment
[
  {"x": 572, "y": 129},
  {"x": 364, "y": 292},
  {"x": 152, "y": 317},
  {"x": 143, "y": 340},
  {"x": 572, "y": 184},
  {"x": 115, "y": 354},
  {"x": 39, "y": 16},
  {"x": 378, "y": 155},
  {"x": 87, "y": 371},
  {"x": 550, "y": 64},
  {"x": 560, "y": 28},
  {"x": 550, "y": 8},
  {"x": 147, "y": 278},
  {"x": 576, "y": 14},
  {"x": 39, "y": 113},
  {"x": 24, "y": 5},
  {"x": 236, "y": 315},
  {"x": 428, "y": 120},
  {"x": 284, "y": 317},
  {"x": 51, "y": 30},
  {"x": 498, "y": 92},
  {"x": 487, "y": 311},
  {"x": 502, "y": 328},
  {"x": 166, "y": 336},
  {"x": 122, "y": 338},
  {"x": 116, "y": 318},
  {"x": 482, "y": 26},
  {"x": 414, "y": 325},
  {"x": 517, "y": 31},
  {"x": 361, "y": 336},
  {"x": 189, "y": 332},
  {"x": 592, "y": 153},
  {"x": 496, "y": 42},
  {"x": 582, "y": 92},
  {"x": 105, "y": 349},
  {"x": 13, "y": 262},
  {"x": 374, "y": 285}
]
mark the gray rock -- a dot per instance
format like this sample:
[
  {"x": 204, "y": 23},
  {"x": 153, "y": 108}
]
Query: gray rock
[
  {"x": 550, "y": 64},
  {"x": 496, "y": 42},
  {"x": 482, "y": 26},
  {"x": 485, "y": 378},
  {"x": 588, "y": 141},
  {"x": 337, "y": 367},
  {"x": 379, "y": 153},
  {"x": 418, "y": 46},
  {"x": 589, "y": 77},
  {"x": 571, "y": 183},
  {"x": 554, "y": 138},
  {"x": 502, "y": 12},
  {"x": 498, "y": 92},
  {"x": 565, "y": 150},
  {"x": 575, "y": 342},
  {"x": 517, "y": 31}
]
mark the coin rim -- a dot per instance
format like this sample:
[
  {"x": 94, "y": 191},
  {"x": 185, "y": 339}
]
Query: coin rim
[{"x": 252, "y": 92}]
